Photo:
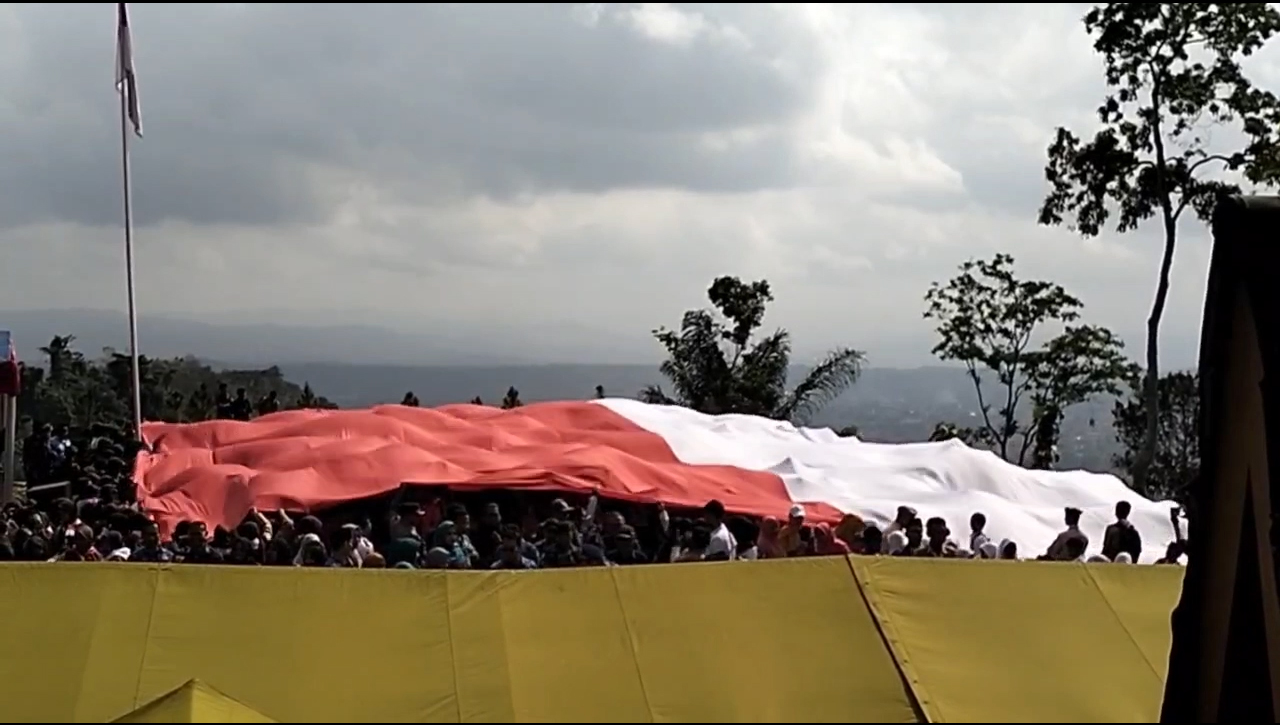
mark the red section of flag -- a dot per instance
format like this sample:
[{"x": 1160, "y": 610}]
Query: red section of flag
[
  {"x": 215, "y": 471},
  {"x": 10, "y": 372}
]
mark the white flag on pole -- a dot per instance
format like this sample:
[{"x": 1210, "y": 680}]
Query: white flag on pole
[{"x": 126, "y": 79}]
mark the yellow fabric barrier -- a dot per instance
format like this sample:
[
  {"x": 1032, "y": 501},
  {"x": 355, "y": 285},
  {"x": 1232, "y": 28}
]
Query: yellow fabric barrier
[
  {"x": 750, "y": 642},
  {"x": 72, "y": 641},
  {"x": 547, "y": 646},
  {"x": 305, "y": 645},
  {"x": 995, "y": 641},
  {"x": 769, "y": 641},
  {"x": 192, "y": 703},
  {"x": 1143, "y": 598}
]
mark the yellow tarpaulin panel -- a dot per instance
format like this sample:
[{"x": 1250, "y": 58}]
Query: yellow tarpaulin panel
[
  {"x": 769, "y": 641},
  {"x": 759, "y": 642},
  {"x": 307, "y": 645},
  {"x": 547, "y": 646},
  {"x": 192, "y": 703},
  {"x": 1143, "y": 597},
  {"x": 996, "y": 641},
  {"x": 72, "y": 639}
]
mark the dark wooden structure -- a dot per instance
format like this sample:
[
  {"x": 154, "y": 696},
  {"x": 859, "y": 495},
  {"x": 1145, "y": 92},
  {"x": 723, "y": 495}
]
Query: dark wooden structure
[{"x": 1225, "y": 660}]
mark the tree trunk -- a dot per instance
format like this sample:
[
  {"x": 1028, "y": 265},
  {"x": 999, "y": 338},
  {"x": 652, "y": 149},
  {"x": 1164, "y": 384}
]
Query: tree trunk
[{"x": 1151, "y": 384}]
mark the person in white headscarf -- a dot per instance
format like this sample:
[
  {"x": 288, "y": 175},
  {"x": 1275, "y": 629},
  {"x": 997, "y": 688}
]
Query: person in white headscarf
[
  {"x": 1008, "y": 549},
  {"x": 1123, "y": 558},
  {"x": 988, "y": 550},
  {"x": 310, "y": 551},
  {"x": 895, "y": 542}
]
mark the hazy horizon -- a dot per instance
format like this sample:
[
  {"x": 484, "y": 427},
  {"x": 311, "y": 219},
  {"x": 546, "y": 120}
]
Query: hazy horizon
[{"x": 276, "y": 343}]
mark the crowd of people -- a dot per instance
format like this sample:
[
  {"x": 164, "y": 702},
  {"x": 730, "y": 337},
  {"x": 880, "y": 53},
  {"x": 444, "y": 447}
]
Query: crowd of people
[{"x": 94, "y": 516}]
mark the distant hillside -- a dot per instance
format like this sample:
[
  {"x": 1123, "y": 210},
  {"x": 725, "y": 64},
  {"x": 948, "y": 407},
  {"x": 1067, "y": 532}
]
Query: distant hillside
[{"x": 260, "y": 341}]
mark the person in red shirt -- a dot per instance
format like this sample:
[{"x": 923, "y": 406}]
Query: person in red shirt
[{"x": 825, "y": 542}]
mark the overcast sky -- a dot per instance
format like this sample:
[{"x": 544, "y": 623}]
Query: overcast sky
[{"x": 588, "y": 166}]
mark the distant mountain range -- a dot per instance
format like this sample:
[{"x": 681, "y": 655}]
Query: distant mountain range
[
  {"x": 265, "y": 343},
  {"x": 887, "y": 404}
]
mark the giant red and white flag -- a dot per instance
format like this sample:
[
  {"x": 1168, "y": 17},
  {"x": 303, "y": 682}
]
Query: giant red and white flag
[
  {"x": 624, "y": 449},
  {"x": 126, "y": 78}
]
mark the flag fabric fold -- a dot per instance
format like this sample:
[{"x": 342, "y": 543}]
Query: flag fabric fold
[{"x": 126, "y": 78}]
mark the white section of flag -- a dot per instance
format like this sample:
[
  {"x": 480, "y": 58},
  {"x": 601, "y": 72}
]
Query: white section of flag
[
  {"x": 126, "y": 78},
  {"x": 946, "y": 479}
]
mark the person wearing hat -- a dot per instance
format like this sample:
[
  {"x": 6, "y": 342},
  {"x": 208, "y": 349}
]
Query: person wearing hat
[
  {"x": 560, "y": 509},
  {"x": 790, "y": 536},
  {"x": 626, "y": 550},
  {"x": 1060, "y": 550}
]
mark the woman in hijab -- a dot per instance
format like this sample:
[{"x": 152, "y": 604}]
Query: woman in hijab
[
  {"x": 825, "y": 542},
  {"x": 446, "y": 537},
  {"x": 849, "y": 531},
  {"x": 311, "y": 551},
  {"x": 768, "y": 546},
  {"x": 895, "y": 543},
  {"x": 1008, "y": 549}
]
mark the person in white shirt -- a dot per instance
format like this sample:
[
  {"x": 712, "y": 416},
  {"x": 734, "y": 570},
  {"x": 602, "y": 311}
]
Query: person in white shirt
[{"x": 723, "y": 546}]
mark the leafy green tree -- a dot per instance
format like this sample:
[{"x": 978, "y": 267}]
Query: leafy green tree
[
  {"x": 1173, "y": 73},
  {"x": 61, "y": 356},
  {"x": 990, "y": 321},
  {"x": 716, "y": 364},
  {"x": 1177, "y": 460},
  {"x": 78, "y": 391}
]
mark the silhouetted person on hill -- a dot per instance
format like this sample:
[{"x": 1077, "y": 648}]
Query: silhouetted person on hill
[
  {"x": 269, "y": 404},
  {"x": 200, "y": 404},
  {"x": 411, "y": 400},
  {"x": 222, "y": 403},
  {"x": 241, "y": 408}
]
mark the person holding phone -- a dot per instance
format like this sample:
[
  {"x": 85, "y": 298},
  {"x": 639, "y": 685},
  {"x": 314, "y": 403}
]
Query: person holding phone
[{"x": 1176, "y": 548}]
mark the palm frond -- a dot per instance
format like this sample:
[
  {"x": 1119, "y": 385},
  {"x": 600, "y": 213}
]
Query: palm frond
[
  {"x": 695, "y": 364},
  {"x": 827, "y": 380},
  {"x": 760, "y": 378}
]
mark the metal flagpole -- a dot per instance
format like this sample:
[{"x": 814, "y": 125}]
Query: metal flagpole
[{"x": 125, "y": 93}]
